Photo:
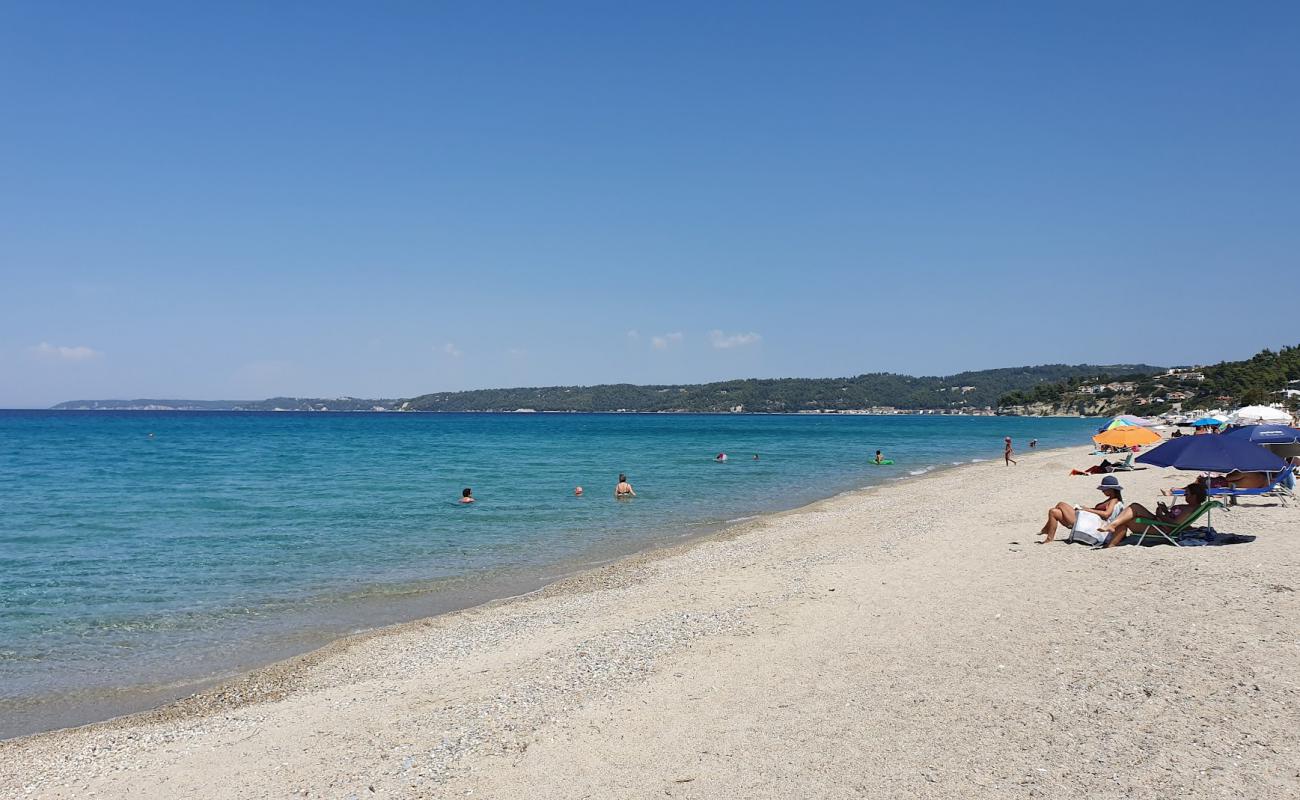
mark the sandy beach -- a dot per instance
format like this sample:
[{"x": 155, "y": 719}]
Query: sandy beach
[{"x": 909, "y": 640}]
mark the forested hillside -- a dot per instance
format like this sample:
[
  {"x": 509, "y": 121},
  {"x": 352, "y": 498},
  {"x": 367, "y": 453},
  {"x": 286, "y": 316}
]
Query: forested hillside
[
  {"x": 1264, "y": 378},
  {"x": 967, "y": 390}
]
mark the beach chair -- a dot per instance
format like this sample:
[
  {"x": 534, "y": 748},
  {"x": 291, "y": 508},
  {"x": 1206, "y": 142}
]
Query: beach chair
[
  {"x": 1277, "y": 488},
  {"x": 1168, "y": 529},
  {"x": 1125, "y": 466}
]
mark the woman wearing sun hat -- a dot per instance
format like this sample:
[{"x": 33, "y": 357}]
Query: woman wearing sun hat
[{"x": 1065, "y": 514}]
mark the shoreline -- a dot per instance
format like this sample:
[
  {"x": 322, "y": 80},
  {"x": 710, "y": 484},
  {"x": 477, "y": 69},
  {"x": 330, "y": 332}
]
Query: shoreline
[
  {"x": 243, "y": 685},
  {"x": 868, "y": 642}
]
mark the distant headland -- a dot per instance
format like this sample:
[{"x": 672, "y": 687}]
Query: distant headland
[{"x": 976, "y": 392}]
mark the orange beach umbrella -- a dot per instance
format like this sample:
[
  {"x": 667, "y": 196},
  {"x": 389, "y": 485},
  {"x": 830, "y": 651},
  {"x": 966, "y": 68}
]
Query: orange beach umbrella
[{"x": 1127, "y": 436}]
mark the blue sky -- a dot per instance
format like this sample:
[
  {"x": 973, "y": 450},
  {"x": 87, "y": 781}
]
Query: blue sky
[{"x": 383, "y": 199}]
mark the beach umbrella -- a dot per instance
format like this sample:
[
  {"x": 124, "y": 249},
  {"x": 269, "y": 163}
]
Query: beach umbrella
[
  {"x": 1127, "y": 436},
  {"x": 1282, "y": 440},
  {"x": 1207, "y": 422},
  {"x": 1212, "y": 454},
  {"x": 1129, "y": 419},
  {"x": 1124, "y": 421},
  {"x": 1261, "y": 415}
]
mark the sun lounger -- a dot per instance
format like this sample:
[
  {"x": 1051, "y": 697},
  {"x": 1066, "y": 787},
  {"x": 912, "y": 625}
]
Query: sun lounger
[
  {"x": 1125, "y": 466},
  {"x": 1170, "y": 530},
  {"x": 1277, "y": 488}
]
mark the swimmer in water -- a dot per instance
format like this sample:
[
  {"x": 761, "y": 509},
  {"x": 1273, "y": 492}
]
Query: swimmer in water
[
  {"x": 577, "y": 491},
  {"x": 720, "y": 457},
  {"x": 756, "y": 456},
  {"x": 624, "y": 489},
  {"x": 467, "y": 496},
  {"x": 880, "y": 459}
]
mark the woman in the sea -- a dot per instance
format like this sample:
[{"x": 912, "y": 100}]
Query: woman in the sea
[
  {"x": 624, "y": 489},
  {"x": 1065, "y": 514}
]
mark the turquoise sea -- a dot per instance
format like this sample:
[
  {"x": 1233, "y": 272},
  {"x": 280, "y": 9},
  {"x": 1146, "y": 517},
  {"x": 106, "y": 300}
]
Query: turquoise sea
[{"x": 142, "y": 553}]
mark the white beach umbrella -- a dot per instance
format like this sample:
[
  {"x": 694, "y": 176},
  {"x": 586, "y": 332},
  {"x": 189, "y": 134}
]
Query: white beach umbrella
[{"x": 1261, "y": 415}]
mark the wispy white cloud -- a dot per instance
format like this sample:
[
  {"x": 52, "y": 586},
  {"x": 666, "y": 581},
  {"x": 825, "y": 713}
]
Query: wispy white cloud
[
  {"x": 634, "y": 334},
  {"x": 724, "y": 341},
  {"x": 63, "y": 353},
  {"x": 667, "y": 340},
  {"x": 452, "y": 350}
]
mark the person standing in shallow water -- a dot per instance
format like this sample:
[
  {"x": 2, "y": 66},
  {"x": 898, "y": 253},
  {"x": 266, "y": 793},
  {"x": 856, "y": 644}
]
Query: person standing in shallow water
[
  {"x": 624, "y": 489},
  {"x": 1007, "y": 451}
]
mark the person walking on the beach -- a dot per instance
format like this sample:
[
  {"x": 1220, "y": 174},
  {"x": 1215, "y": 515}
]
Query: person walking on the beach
[
  {"x": 1007, "y": 450},
  {"x": 624, "y": 489}
]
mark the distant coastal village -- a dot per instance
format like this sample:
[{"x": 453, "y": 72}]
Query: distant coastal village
[{"x": 1268, "y": 378}]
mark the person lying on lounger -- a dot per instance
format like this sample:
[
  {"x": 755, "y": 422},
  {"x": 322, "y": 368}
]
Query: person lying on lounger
[
  {"x": 1120, "y": 527},
  {"x": 1105, "y": 466},
  {"x": 1065, "y": 514},
  {"x": 1241, "y": 480}
]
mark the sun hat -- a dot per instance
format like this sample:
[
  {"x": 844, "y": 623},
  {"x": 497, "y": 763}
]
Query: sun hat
[{"x": 1110, "y": 482}]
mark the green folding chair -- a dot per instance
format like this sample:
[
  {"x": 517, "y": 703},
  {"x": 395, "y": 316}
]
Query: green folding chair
[{"x": 1168, "y": 529}]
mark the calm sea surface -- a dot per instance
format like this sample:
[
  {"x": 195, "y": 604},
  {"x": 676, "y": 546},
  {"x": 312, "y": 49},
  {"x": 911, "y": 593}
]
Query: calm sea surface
[{"x": 132, "y": 565}]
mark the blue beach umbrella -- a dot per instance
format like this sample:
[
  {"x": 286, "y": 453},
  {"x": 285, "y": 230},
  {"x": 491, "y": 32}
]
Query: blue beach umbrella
[
  {"x": 1212, "y": 454},
  {"x": 1206, "y": 422},
  {"x": 1266, "y": 434},
  {"x": 1282, "y": 440}
]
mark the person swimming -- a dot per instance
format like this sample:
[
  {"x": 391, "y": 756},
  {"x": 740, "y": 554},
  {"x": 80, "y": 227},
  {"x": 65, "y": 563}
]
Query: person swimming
[
  {"x": 624, "y": 489},
  {"x": 720, "y": 457},
  {"x": 467, "y": 496},
  {"x": 577, "y": 491},
  {"x": 880, "y": 457}
]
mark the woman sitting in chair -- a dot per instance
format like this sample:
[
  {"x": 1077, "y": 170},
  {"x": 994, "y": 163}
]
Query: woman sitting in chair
[
  {"x": 1120, "y": 527},
  {"x": 1065, "y": 514}
]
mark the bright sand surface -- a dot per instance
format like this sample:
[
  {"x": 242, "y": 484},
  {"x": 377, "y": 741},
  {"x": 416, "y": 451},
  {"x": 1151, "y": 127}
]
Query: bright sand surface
[{"x": 903, "y": 641}]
